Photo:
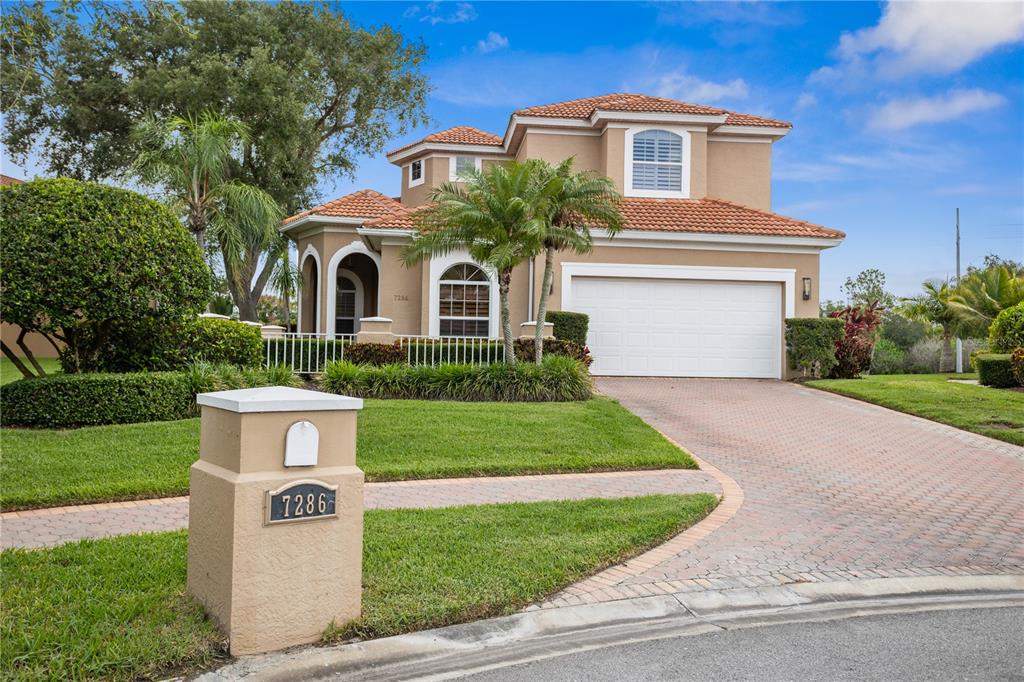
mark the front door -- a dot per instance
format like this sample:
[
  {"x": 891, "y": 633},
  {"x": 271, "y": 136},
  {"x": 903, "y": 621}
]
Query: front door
[{"x": 345, "y": 310}]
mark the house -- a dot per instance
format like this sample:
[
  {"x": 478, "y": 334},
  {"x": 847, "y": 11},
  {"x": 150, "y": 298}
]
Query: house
[{"x": 697, "y": 284}]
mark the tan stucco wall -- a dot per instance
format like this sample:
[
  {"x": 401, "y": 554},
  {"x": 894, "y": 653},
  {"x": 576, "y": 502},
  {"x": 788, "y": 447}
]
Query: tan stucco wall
[
  {"x": 698, "y": 165},
  {"x": 38, "y": 345},
  {"x": 555, "y": 148},
  {"x": 740, "y": 172},
  {"x": 435, "y": 171},
  {"x": 613, "y": 156},
  {"x": 401, "y": 291}
]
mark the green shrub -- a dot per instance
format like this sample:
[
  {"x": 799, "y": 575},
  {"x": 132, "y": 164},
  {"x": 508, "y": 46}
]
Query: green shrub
[
  {"x": 811, "y": 344},
  {"x": 557, "y": 379},
  {"x": 996, "y": 370},
  {"x": 158, "y": 344},
  {"x": 888, "y": 358},
  {"x": 375, "y": 353},
  {"x": 1017, "y": 365},
  {"x": 65, "y": 400},
  {"x": 68, "y": 400},
  {"x": 1007, "y": 330},
  {"x": 569, "y": 326},
  {"x": 79, "y": 258},
  {"x": 553, "y": 347},
  {"x": 902, "y": 331}
]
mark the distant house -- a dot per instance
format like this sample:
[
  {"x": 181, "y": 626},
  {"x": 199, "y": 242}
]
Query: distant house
[
  {"x": 697, "y": 284},
  {"x": 8, "y": 180}
]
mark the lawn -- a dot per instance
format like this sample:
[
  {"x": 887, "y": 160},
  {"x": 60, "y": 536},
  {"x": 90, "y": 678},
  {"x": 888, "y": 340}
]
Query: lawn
[
  {"x": 398, "y": 439},
  {"x": 116, "y": 608},
  {"x": 994, "y": 412},
  {"x": 9, "y": 373}
]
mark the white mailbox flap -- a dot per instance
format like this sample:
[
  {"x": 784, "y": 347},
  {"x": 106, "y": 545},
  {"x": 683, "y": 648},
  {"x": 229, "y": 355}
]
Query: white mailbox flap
[{"x": 301, "y": 444}]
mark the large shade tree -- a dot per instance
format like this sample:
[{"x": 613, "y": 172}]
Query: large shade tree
[
  {"x": 496, "y": 216},
  {"x": 79, "y": 258},
  {"x": 574, "y": 201}
]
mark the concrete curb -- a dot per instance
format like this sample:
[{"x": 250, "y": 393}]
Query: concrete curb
[{"x": 456, "y": 650}]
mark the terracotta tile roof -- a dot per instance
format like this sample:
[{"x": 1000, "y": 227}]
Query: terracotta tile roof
[
  {"x": 366, "y": 203},
  {"x": 711, "y": 216},
  {"x": 584, "y": 108},
  {"x": 714, "y": 216},
  {"x": 456, "y": 135},
  {"x": 8, "y": 180}
]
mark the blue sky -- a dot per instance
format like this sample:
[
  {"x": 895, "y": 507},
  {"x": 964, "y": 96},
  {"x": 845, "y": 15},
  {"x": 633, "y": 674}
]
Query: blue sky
[{"x": 901, "y": 112}]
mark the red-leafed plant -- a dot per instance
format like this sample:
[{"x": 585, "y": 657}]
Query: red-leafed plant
[{"x": 853, "y": 351}]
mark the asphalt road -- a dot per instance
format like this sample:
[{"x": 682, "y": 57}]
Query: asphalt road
[{"x": 981, "y": 644}]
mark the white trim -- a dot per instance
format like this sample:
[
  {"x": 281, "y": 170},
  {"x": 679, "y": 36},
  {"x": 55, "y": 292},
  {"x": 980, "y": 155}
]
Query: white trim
[
  {"x": 761, "y": 131},
  {"x": 729, "y": 242},
  {"x": 555, "y": 131},
  {"x": 330, "y": 219},
  {"x": 656, "y": 117},
  {"x": 423, "y": 173},
  {"x": 385, "y": 232},
  {"x": 478, "y": 163},
  {"x": 627, "y": 179},
  {"x": 277, "y": 399},
  {"x": 401, "y": 154},
  {"x": 310, "y": 251},
  {"x": 332, "y": 277},
  {"x": 740, "y": 139},
  {"x": 438, "y": 265},
  {"x": 359, "y": 297},
  {"x": 787, "y": 276}
]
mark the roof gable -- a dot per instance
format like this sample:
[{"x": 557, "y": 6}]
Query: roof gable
[{"x": 366, "y": 203}]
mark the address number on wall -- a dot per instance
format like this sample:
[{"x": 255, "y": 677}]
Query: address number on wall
[{"x": 301, "y": 501}]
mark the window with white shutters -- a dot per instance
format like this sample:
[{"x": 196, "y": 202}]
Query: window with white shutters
[{"x": 657, "y": 161}]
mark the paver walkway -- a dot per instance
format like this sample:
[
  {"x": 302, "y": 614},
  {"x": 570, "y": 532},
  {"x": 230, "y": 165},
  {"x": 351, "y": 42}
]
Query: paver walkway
[
  {"x": 832, "y": 489},
  {"x": 54, "y": 526}
]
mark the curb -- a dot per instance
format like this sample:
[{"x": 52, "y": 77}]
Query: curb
[{"x": 457, "y": 650}]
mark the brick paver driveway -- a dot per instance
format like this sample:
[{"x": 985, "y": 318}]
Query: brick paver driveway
[{"x": 833, "y": 489}]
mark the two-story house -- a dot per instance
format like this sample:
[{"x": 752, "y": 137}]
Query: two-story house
[{"x": 697, "y": 284}]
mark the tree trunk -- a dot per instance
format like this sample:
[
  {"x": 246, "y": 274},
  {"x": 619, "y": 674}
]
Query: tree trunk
[
  {"x": 15, "y": 360},
  {"x": 28, "y": 353},
  {"x": 504, "y": 283},
  {"x": 542, "y": 306},
  {"x": 946, "y": 360}
]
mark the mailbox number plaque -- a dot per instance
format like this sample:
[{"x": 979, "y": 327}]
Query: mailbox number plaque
[{"x": 301, "y": 501}]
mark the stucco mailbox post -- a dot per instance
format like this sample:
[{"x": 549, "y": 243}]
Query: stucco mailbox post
[{"x": 276, "y": 515}]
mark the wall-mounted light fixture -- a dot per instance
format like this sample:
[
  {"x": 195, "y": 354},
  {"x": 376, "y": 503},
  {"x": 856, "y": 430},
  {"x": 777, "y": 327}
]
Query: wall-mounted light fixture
[{"x": 807, "y": 288}]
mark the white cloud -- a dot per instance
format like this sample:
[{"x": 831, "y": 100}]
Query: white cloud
[
  {"x": 900, "y": 114},
  {"x": 925, "y": 37},
  {"x": 462, "y": 13},
  {"x": 806, "y": 100},
  {"x": 493, "y": 41},
  {"x": 690, "y": 88}
]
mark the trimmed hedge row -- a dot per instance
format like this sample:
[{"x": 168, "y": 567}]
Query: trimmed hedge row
[
  {"x": 569, "y": 326},
  {"x": 558, "y": 379},
  {"x": 69, "y": 400},
  {"x": 811, "y": 344},
  {"x": 996, "y": 370}
]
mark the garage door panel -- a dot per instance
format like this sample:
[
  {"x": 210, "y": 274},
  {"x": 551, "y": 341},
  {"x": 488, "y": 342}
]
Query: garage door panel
[{"x": 662, "y": 327}]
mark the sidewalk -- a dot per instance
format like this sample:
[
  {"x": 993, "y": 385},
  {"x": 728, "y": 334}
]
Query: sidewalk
[{"x": 56, "y": 525}]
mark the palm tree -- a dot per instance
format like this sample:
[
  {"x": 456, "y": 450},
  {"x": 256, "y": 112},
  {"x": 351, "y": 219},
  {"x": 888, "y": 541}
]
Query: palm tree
[
  {"x": 494, "y": 216},
  {"x": 933, "y": 306},
  {"x": 983, "y": 294},
  {"x": 573, "y": 199},
  {"x": 286, "y": 280},
  {"x": 192, "y": 159}
]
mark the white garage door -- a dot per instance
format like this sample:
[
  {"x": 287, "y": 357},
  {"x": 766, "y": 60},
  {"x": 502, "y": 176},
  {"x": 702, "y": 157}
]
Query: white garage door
[{"x": 683, "y": 328}]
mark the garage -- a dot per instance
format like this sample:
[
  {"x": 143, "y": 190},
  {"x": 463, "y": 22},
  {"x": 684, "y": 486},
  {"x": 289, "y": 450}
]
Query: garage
[{"x": 647, "y": 326}]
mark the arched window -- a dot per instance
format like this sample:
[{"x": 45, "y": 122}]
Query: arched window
[
  {"x": 465, "y": 301},
  {"x": 658, "y": 161}
]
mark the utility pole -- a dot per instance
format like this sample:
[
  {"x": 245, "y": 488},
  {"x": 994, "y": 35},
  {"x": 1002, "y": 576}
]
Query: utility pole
[{"x": 959, "y": 343}]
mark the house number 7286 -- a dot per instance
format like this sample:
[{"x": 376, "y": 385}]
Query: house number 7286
[
  {"x": 301, "y": 500},
  {"x": 305, "y": 505}
]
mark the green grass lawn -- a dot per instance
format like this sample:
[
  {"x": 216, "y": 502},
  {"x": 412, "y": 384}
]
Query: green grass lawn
[
  {"x": 994, "y": 412},
  {"x": 398, "y": 439},
  {"x": 117, "y": 609},
  {"x": 9, "y": 373}
]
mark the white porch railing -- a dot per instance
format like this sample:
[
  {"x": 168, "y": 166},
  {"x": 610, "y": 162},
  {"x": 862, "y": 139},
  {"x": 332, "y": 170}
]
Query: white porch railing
[
  {"x": 306, "y": 353},
  {"x": 309, "y": 353}
]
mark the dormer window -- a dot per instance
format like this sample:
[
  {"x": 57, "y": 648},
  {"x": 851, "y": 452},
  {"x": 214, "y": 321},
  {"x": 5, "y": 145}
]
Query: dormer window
[
  {"x": 458, "y": 166},
  {"x": 657, "y": 163},
  {"x": 416, "y": 173}
]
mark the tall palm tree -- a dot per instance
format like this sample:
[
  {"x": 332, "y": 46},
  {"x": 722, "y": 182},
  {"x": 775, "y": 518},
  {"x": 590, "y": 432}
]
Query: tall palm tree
[
  {"x": 983, "y": 294},
  {"x": 494, "y": 216},
  {"x": 933, "y": 306},
  {"x": 574, "y": 199},
  {"x": 191, "y": 158},
  {"x": 286, "y": 280}
]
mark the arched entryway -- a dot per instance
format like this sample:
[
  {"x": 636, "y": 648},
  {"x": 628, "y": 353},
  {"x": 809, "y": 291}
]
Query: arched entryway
[
  {"x": 309, "y": 294},
  {"x": 354, "y": 289}
]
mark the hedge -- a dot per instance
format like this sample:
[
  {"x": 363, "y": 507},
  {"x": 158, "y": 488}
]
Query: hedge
[
  {"x": 64, "y": 400},
  {"x": 995, "y": 370},
  {"x": 569, "y": 326},
  {"x": 558, "y": 379},
  {"x": 69, "y": 400},
  {"x": 158, "y": 344},
  {"x": 1017, "y": 364},
  {"x": 811, "y": 344},
  {"x": 1007, "y": 330}
]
